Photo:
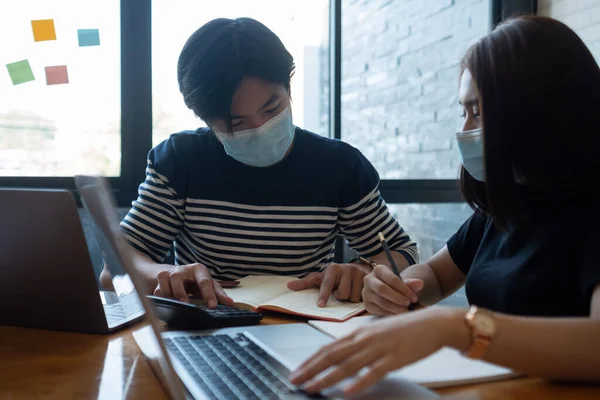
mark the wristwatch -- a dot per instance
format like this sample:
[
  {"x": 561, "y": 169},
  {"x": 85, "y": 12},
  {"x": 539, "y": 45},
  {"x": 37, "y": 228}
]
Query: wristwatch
[
  {"x": 483, "y": 329},
  {"x": 362, "y": 260}
]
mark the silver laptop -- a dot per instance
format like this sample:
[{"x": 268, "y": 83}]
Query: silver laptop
[
  {"x": 48, "y": 280},
  {"x": 232, "y": 363}
]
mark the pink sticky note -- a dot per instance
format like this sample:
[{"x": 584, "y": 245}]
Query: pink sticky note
[{"x": 56, "y": 75}]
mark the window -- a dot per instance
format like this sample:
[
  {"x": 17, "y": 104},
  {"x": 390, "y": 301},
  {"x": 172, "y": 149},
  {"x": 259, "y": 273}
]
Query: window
[
  {"x": 395, "y": 98},
  {"x": 60, "y": 110},
  {"x": 302, "y": 27},
  {"x": 581, "y": 16},
  {"x": 431, "y": 225},
  {"x": 399, "y": 83}
]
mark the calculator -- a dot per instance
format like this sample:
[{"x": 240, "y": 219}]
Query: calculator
[{"x": 186, "y": 316}]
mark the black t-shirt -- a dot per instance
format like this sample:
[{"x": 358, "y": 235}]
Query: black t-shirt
[{"x": 546, "y": 269}]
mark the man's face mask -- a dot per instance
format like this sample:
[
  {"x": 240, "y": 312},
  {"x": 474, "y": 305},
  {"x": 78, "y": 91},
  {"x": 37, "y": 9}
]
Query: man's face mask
[{"x": 263, "y": 146}]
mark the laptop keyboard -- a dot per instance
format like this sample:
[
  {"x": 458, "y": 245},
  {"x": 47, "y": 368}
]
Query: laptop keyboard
[
  {"x": 127, "y": 306},
  {"x": 231, "y": 368},
  {"x": 114, "y": 313}
]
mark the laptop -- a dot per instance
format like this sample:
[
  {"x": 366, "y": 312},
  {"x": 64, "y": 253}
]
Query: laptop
[
  {"x": 250, "y": 362},
  {"x": 48, "y": 280}
]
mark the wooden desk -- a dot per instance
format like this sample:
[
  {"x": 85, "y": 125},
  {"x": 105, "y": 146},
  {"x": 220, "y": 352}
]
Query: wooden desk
[{"x": 44, "y": 364}]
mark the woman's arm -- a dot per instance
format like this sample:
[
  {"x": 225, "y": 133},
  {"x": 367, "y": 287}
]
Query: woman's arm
[
  {"x": 440, "y": 275},
  {"x": 565, "y": 349},
  {"x": 557, "y": 348}
]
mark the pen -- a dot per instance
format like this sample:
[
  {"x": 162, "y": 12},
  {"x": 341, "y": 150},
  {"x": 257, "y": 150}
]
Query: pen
[
  {"x": 386, "y": 249},
  {"x": 389, "y": 255}
]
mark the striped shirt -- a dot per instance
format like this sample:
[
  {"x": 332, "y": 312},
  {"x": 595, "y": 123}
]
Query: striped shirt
[{"x": 239, "y": 220}]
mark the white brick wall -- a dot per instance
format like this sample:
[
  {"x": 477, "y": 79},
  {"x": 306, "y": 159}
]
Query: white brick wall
[
  {"x": 400, "y": 79},
  {"x": 583, "y": 16},
  {"x": 399, "y": 96}
]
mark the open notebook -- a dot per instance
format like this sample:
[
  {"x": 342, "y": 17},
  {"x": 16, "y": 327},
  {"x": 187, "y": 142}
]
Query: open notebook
[
  {"x": 271, "y": 293},
  {"x": 445, "y": 367}
]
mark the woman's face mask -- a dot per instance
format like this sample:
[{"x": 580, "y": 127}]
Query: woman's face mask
[
  {"x": 262, "y": 146},
  {"x": 470, "y": 146},
  {"x": 469, "y": 141}
]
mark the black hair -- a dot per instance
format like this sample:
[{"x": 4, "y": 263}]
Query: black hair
[
  {"x": 217, "y": 57},
  {"x": 539, "y": 90}
]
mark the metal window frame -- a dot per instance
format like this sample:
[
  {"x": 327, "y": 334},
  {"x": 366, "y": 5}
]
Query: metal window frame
[
  {"x": 403, "y": 191},
  {"x": 136, "y": 108},
  {"x": 503, "y": 9}
]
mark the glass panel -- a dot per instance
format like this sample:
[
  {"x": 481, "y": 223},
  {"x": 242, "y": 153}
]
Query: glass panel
[
  {"x": 431, "y": 225},
  {"x": 60, "y": 110},
  {"x": 581, "y": 16},
  {"x": 400, "y": 80},
  {"x": 302, "y": 26}
]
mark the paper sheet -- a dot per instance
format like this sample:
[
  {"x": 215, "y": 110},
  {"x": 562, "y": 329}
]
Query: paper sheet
[
  {"x": 446, "y": 367},
  {"x": 272, "y": 292}
]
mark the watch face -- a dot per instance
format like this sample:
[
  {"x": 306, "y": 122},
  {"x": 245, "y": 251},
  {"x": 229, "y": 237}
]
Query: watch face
[{"x": 485, "y": 324}]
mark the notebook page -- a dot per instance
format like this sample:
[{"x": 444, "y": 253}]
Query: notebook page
[
  {"x": 305, "y": 302},
  {"x": 256, "y": 290},
  {"x": 340, "y": 329}
]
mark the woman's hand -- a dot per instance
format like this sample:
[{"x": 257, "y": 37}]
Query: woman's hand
[
  {"x": 386, "y": 294},
  {"x": 386, "y": 345}
]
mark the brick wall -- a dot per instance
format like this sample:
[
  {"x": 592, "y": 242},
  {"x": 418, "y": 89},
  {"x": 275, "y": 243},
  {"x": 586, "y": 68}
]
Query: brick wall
[
  {"x": 583, "y": 16},
  {"x": 400, "y": 79},
  {"x": 400, "y": 64}
]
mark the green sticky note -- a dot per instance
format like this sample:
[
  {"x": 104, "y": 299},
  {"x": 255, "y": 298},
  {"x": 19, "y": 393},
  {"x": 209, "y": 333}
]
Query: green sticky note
[{"x": 20, "y": 72}]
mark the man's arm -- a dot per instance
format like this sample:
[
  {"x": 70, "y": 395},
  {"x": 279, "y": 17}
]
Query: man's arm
[{"x": 144, "y": 265}]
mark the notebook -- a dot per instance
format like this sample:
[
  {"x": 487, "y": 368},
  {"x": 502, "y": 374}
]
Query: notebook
[
  {"x": 271, "y": 293},
  {"x": 446, "y": 367}
]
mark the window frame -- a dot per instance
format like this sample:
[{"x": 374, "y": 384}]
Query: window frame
[
  {"x": 402, "y": 191},
  {"x": 136, "y": 109}
]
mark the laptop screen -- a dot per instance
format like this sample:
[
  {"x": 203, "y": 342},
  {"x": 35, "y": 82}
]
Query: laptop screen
[
  {"x": 97, "y": 199},
  {"x": 125, "y": 292}
]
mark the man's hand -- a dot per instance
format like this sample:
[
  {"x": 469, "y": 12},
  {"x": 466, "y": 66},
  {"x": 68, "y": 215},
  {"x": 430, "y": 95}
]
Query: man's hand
[
  {"x": 177, "y": 282},
  {"x": 345, "y": 281}
]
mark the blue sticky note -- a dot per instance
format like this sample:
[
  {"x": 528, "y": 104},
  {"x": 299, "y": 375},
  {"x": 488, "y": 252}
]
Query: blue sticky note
[{"x": 88, "y": 37}]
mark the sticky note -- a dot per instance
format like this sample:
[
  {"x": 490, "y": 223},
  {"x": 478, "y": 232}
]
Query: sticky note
[
  {"x": 88, "y": 37},
  {"x": 43, "y": 29},
  {"x": 56, "y": 75},
  {"x": 20, "y": 72}
]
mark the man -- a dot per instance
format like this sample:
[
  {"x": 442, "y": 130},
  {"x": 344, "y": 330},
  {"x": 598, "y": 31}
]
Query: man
[{"x": 253, "y": 194}]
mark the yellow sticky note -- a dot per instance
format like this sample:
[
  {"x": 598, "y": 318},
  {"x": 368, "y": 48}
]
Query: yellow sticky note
[{"x": 43, "y": 29}]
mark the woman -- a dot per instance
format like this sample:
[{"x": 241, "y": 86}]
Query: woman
[
  {"x": 253, "y": 194},
  {"x": 530, "y": 254}
]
